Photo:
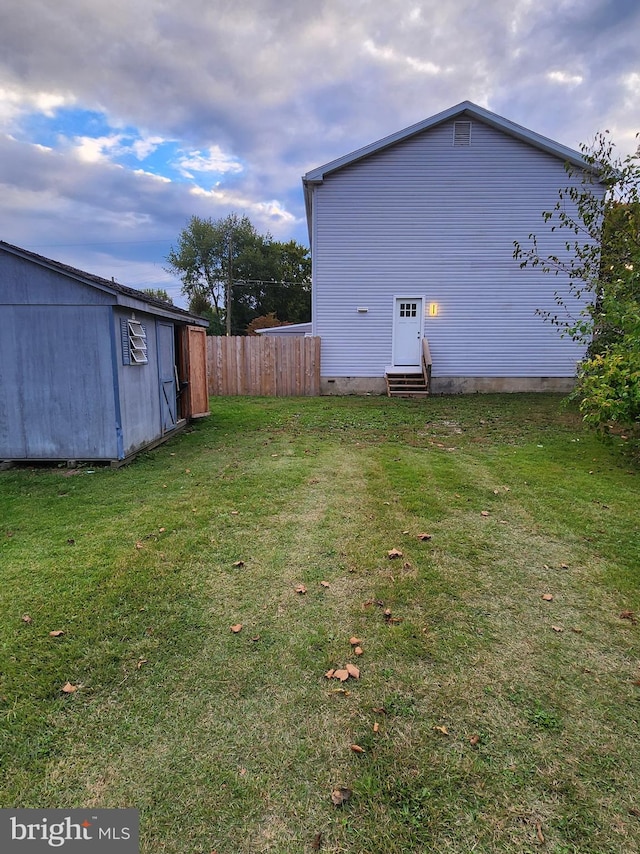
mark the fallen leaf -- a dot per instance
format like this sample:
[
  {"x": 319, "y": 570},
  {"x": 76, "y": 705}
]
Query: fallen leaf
[
  {"x": 629, "y": 615},
  {"x": 407, "y": 565},
  {"x": 238, "y": 564},
  {"x": 341, "y": 691},
  {"x": 405, "y": 532},
  {"x": 301, "y": 589},
  {"x": 341, "y": 674},
  {"x": 564, "y": 566},
  {"x": 393, "y": 553},
  {"x": 576, "y": 630},
  {"x": 340, "y": 796},
  {"x": 139, "y": 545},
  {"x": 255, "y": 638},
  {"x": 634, "y": 811},
  {"x": 376, "y": 727},
  {"x": 71, "y": 541},
  {"x": 380, "y": 710},
  {"x": 26, "y": 619},
  {"x": 395, "y": 620},
  {"x": 237, "y": 628},
  {"x": 68, "y": 688},
  {"x": 442, "y": 729},
  {"x": 329, "y": 674},
  {"x": 424, "y": 537},
  {"x": 161, "y": 530},
  {"x": 57, "y": 633},
  {"x": 356, "y": 748},
  {"x": 316, "y": 845},
  {"x": 142, "y": 661},
  {"x": 474, "y": 740},
  {"x": 484, "y": 513},
  {"x": 358, "y": 651},
  {"x": 354, "y": 641},
  {"x": 352, "y": 670},
  {"x": 548, "y": 597},
  {"x": 235, "y": 512},
  {"x": 387, "y": 613},
  {"x": 557, "y": 628},
  {"x": 539, "y": 833},
  {"x": 324, "y": 584}
]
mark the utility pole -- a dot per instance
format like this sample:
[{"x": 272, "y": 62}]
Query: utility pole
[{"x": 229, "y": 286}]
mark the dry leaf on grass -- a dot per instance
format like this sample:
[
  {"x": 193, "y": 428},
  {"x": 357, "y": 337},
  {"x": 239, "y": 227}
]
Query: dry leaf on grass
[
  {"x": 424, "y": 537},
  {"x": 354, "y": 641},
  {"x": 358, "y": 650},
  {"x": 237, "y": 628},
  {"x": 139, "y": 545},
  {"x": 57, "y": 633},
  {"x": 340, "y": 796},
  {"x": 393, "y": 553},
  {"x": 238, "y": 564},
  {"x": 301, "y": 589},
  {"x": 352, "y": 670},
  {"x": 539, "y": 833},
  {"x": 26, "y": 619},
  {"x": 548, "y": 597},
  {"x": 324, "y": 584},
  {"x": 316, "y": 845},
  {"x": 356, "y": 748},
  {"x": 341, "y": 674},
  {"x": 68, "y": 688},
  {"x": 376, "y": 727},
  {"x": 557, "y": 628},
  {"x": 484, "y": 513},
  {"x": 329, "y": 674},
  {"x": 629, "y": 615},
  {"x": 142, "y": 661},
  {"x": 474, "y": 740},
  {"x": 442, "y": 729}
]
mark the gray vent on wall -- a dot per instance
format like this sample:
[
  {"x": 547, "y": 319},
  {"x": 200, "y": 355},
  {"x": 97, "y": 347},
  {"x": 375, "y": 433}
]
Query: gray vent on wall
[{"x": 462, "y": 133}]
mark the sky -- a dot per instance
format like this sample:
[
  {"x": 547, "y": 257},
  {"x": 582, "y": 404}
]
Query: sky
[{"x": 120, "y": 120}]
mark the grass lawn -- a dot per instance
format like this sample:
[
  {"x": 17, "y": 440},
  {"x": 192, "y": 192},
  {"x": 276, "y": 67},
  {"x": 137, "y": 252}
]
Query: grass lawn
[{"x": 498, "y": 702}]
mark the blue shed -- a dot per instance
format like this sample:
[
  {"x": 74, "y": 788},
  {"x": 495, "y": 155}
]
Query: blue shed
[{"x": 91, "y": 369}]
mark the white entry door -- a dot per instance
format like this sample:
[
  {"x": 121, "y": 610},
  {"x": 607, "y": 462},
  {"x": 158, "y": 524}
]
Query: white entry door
[{"x": 407, "y": 331}]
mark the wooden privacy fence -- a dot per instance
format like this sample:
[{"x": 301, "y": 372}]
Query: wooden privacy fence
[{"x": 269, "y": 366}]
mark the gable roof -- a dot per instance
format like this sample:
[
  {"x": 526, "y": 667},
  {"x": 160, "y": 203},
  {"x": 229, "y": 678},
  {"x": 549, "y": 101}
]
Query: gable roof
[
  {"x": 465, "y": 109},
  {"x": 124, "y": 295}
]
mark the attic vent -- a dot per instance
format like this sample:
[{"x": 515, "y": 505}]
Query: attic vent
[{"x": 462, "y": 133}]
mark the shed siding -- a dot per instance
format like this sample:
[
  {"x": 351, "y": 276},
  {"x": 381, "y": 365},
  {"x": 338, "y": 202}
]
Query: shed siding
[
  {"x": 139, "y": 387},
  {"x": 23, "y": 284},
  {"x": 430, "y": 218},
  {"x": 56, "y": 383}
]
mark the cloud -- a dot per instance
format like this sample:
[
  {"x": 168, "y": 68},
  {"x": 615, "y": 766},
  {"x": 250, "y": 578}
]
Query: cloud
[
  {"x": 214, "y": 161},
  {"x": 119, "y": 121}
]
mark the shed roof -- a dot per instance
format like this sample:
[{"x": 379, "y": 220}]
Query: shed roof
[
  {"x": 465, "y": 109},
  {"x": 123, "y": 295}
]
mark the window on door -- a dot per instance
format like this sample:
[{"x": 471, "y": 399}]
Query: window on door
[{"x": 408, "y": 309}]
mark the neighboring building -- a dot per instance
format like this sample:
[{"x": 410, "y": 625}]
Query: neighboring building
[
  {"x": 289, "y": 329},
  {"x": 412, "y": 238},
  {"x": 91, "y": 369}
]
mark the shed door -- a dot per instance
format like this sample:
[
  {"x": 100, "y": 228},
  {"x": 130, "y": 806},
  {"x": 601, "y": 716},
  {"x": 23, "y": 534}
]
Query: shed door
[
  {"x": 167, "y": 376},
  {"x": 197, "y": 393},
  {"x": 407, "y": 331}
]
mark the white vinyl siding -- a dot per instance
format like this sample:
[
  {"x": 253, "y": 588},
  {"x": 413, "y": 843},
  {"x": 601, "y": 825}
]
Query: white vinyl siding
[{"x": 428, "y": 217}]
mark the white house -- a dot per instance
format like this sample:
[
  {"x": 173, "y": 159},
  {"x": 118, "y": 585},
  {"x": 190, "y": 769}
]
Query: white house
[{"x": 412, "y": 239}]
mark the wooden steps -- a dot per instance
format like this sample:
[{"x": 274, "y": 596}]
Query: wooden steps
[{"x": 406, "y": 384}]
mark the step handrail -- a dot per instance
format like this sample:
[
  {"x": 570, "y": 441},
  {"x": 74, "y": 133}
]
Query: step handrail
[{"x": 426, "y": 363}]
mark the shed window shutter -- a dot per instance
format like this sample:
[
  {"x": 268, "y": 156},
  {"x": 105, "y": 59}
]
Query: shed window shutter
[
  {"x": 462, "y": 133},
  {"x": 124, "y": 337}
]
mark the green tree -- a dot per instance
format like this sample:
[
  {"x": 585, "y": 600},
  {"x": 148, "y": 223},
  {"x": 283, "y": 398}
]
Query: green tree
[
  {"x": 159, "y": 294},
  {"x": 602, "y": 263},
  {"x": 241, "y": 274}
]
